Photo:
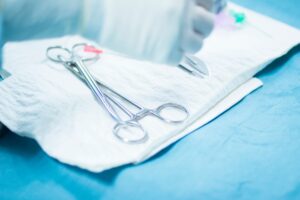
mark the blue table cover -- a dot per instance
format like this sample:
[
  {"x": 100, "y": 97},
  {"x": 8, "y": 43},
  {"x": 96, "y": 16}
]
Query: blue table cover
[{"x": 250, "y": 152}]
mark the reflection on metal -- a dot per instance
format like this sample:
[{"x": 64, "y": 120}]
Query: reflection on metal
[{"x": 194, "y": 66}]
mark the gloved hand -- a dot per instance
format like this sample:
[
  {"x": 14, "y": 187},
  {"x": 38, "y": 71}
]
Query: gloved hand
[
  {"x": 159, "y": 30},
  {"x": 199, "y": 23},
  {"x": 214, "y": 6},
  {"x": 156, "y": 30}
]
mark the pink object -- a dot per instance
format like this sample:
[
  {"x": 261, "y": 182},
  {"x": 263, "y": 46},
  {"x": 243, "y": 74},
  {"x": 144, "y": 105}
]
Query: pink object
[
  {"x": 92, "y": 49},
  {"x": 225, "y": 20}
]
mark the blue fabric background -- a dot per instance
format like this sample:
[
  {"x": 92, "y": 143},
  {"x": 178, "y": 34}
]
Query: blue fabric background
[{"x": 250, "y": 152}]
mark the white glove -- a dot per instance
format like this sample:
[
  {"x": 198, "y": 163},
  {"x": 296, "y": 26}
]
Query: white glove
[
  {"x": 159, "y": 30},
  {"x": 214, "y": 6}
]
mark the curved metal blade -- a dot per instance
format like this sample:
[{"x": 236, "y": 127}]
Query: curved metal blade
[{"x": 194, "y": 66}]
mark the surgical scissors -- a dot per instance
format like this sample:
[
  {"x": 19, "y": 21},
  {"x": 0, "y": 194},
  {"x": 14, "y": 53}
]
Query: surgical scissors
[
  {"x": 106, "y": 96},
  {"x": 194, "y": 66}
]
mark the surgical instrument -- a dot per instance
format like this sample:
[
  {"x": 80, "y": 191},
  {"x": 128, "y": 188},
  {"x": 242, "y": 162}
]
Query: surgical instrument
[
  {"x": 101, "y": 91},
  {"x": 194, "y": 66}
]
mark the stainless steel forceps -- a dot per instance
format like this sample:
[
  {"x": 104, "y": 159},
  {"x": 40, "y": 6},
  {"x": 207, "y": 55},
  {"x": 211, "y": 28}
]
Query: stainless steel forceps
[{"x": 128, "y": 130}]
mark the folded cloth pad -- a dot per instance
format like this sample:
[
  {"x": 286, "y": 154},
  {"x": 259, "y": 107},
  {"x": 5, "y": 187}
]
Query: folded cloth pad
[{"x": 44, "y": 101}]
